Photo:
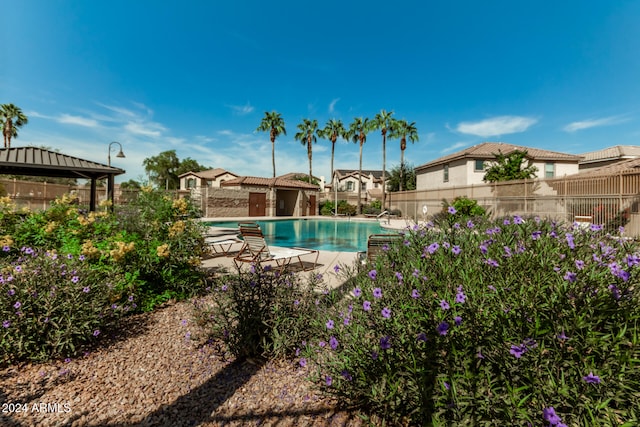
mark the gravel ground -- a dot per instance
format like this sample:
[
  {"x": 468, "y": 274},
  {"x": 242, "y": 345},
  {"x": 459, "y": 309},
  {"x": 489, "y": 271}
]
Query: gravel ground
[{"x": 153, "y": 374}]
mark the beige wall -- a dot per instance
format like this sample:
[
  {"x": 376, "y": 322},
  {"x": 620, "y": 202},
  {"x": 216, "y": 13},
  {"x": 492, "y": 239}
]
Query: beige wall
[{"x": 200, "y": 182}]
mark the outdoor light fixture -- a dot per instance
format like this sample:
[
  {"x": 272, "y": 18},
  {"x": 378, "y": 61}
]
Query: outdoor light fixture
[{"x": 120, "y": 154}]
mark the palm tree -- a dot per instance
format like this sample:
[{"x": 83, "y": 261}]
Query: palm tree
[
  {"x": 307, "y": 136},
  {"x": 358, "y": 133},
  {"x": 384, "y": 122},
  {"x": 333, "y": 130},
  {"x": 11, "y": 118},
  {"x": 403, "y": 130},
  {"x": 274, "y": 124}
]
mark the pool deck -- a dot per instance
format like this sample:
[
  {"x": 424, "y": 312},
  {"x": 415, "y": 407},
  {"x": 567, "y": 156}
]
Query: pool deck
[{"x": 327, "y": 260}]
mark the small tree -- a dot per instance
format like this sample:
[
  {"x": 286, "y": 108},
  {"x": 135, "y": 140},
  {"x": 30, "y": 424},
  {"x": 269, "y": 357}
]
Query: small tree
[
  {"x": 402, "y": 177},
  {"x": 507, "y": 167}
]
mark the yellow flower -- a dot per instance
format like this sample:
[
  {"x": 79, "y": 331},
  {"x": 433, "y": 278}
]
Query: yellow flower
[
  {"x": 89, "y": 250},
  {"x": 6, "y": 240},
  {"x": 163, "y": 250},
  {"x": 146, "y": 189},
  {"x": 181, "y": 205},
  {"x": 195, "y": 261},
  {"x": 177, "y": 228},
  {"x": 51, "y": 226},
  {"x": 105, "y": 203},
  {"x": 122, "y": 250},
  {"x": 6, "y": 202}
]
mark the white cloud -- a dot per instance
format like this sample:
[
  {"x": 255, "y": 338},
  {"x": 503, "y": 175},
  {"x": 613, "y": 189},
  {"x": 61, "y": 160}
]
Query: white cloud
[
  {"x": 332, "y": 105},
  {"x": 501, "y": 125},
  {"x": 242, "y": 109},
  {"x": 76, "y": 120},
  {"x": 145, "y": 129},
  {"x": 453, "y": 147},
  {"x": 586, "y": 124}
]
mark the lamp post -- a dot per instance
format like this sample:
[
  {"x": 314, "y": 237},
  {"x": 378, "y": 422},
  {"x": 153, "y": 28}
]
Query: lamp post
[{"x": 111, "y": 182}]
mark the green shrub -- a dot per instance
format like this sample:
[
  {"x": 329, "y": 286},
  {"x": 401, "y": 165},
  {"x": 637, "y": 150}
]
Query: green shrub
[
  {"x": 490, "y": 323},
  {"x": 52, "y": 305},
  {"x": 260, "y": 313}
]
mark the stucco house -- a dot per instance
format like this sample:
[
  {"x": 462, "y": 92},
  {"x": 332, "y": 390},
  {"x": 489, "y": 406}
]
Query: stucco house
[
  {"x": 608, "y": 156},
  {"x": 257, "y": 196},
  {"x": 347, "y": 181},
  {"x": 211, "y": 178},
  {"x": 468, "y": 166}
]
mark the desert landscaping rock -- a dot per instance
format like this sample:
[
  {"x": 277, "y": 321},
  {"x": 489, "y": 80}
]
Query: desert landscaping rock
[{"x": 157, "y": 372}]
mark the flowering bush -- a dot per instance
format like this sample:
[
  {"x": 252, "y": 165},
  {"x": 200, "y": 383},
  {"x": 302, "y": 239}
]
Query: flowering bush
[
  {"x": 507, "y": 322},
  {"x": 260, "y": 313},
  {"x": 50, "y": 305},
  {"x": 148, "y": 251}
]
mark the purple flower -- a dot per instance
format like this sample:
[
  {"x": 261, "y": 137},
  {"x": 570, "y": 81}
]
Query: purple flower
[
  {"x": 86, "y": 290},
  {"x": 17, "y": 305},
  {"x": 6, "y": 324},
  {"x": 421, "y": 337},
  {"x": 11, "y": 292},
  {"x": 444, "y": 305},
  {"x": 518, "y": 350},
  {"x": 480, "y": 355},
  {"x": 374, "y": 355},
  {"x": 457, "y": 320},
  {"x": 632, "y": 260},
  {"x": 399, "y": 276},
  {"x": 386, "y": 312},
  {"x": 460, "y": 296},
  {"x": 366, "y": 306},
  {"x": 357, "y": 292},
  {"x": 6, "y": 248},
  {"x": 614, "y": 291},
  {"x": 570, "y": 276},
  {"x": 443, "y": 328},
  {"x": 336, "y": 268},
  {"x": 483, "y": 248},
  {"x": 373, "y": 274},
  {"x": 333, "y": 343},
  {"x": 385, "y": 247},
  {"x": 18, "y": 268},
  {"x": 81, "y": 257},
  {"x": 517, "y": 219},
  {"x": 346, "y": 375},
  {"x": 328, "y": 380},
  {"x": 536, "y": 235},
  {"x": 303, "y": 362},
  {"x": 562, "y": 336},
  {"x": 446, "y": 385},
  {"x": 456, "y": 250},
  {"x": 377, "y": 293},
  {"x": 433, "y": 247},
  {"x": 579, "y": 264},
  {"x": 492, "y": 262},
  {"x": 96, "y": 333},
  {"x": 330, "y": 324},
  {"x": 491, "y": 288},
  {"x": 470, "y": 224},
  {"x": 385, "y": 343},
  {"x": 415, "y": 294},
  {"x": 569, "y": 238},
  {"x": 451, "y": 210},
  {"x": 506, "y": 221},
  {"x": 591, "y": 379},
  {"x": 595, "y": 227},
  {"x": 322, "y": 344},
  {"x": 549, "y": 415}
]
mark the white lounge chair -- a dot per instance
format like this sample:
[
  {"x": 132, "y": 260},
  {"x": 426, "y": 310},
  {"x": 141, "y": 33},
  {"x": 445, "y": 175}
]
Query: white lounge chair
[{"x": 257, "y": 251}]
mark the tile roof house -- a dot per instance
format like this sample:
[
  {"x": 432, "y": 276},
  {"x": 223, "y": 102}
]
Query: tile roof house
[
  {"x": 275, "y": 196},
  {"x": 207, "y": 178},
  {"x": 608, "y": 156},
  {"x": 467, "y": 167},
  {"x": 347, "y": 181}
]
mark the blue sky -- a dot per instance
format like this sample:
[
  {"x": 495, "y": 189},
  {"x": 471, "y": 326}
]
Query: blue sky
[{"x": 197, "y": 77}]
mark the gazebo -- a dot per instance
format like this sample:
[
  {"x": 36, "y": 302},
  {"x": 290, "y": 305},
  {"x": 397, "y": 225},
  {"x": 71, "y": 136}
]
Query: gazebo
[{"x": 34, "y": 161}]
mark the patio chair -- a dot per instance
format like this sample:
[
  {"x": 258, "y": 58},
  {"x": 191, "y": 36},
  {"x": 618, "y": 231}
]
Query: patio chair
[
  {"x": 220, "y": 247},
  {"x": 376, "y": 244},
  {"x": 257, "y": 251}
]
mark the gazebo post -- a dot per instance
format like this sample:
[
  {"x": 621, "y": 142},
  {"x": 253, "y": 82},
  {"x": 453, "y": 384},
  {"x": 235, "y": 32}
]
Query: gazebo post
[{"x": 92, "y": 195}]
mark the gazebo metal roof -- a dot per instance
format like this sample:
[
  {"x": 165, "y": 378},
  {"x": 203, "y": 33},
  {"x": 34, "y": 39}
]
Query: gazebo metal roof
[{"x": 34, "y": 161}]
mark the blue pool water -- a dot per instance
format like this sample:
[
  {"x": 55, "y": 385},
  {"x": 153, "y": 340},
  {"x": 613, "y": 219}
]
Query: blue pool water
[{"x": 322, "y": 234}]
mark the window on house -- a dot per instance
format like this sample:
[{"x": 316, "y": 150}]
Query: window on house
[
  {"x": 349, "y": 185},
  {"x": 479, "y": 165},
  {"x": 549, "y": 170},
  {"x": 191, "y": 183},
  {"x": 445, "y": 170},
  {"x": 364, "y": 186}
]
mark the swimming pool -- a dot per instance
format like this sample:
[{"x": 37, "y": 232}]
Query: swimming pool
[{"x": 322, "y": 234}]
